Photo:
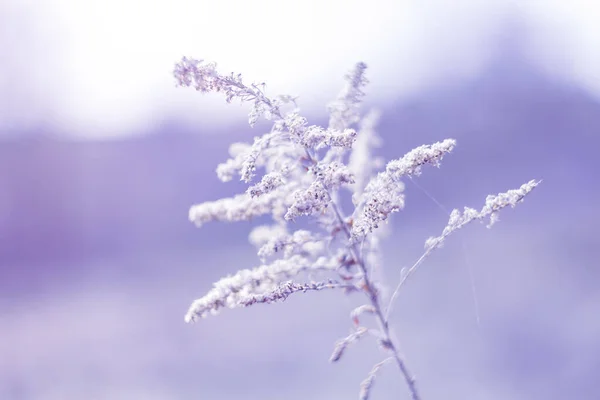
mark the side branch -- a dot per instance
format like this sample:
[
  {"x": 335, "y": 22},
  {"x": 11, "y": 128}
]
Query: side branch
[{"x": 283, "y": 291}]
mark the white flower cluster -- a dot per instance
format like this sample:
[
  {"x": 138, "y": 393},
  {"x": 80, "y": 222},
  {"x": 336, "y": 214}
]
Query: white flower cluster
[
  {"x": 300, "y": 242},
  {"x": 362, "y": 163},
  {"x": 262, "y": 234},
  {"x": 384, "y": 194},
  {"x": 227, "y": 170},
  {"x": 344, "y": 111},
  {"x": 233, "y": 291},
  {"x": 313, "y": 136},
  {"x": 309, "y": 201},
  {"x": 267, "y": 184},
  {"x": 316, "y": 198},
  {"x": 302, "y": 170},
  {"x": 493, "y": 204},
  {"x": 204, "y": 78},
  {"x": 241, "y": 207}
]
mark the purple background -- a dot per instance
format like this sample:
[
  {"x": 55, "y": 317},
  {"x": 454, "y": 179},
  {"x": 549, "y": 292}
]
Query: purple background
[{"x": 98, "y": 262}]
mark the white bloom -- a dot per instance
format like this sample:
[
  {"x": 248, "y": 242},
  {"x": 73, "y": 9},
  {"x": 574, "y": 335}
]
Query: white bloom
[
  {"x": 301, "y": 242},
  {"x": 251, "y": 158},
  {"x": 361, "y": 162},
  {"x": 308, "y": 201},
  {"x": 263, "y": 233},
  {"x": 204, "y": 78},
  {"x": 344, "y": 110},
  {"x": 191, "y": 72},
  {"x": 493, "y": 204},
  {"x": 241, "y": 207},
  {"x": 315, "y": 137},
  {"x": 230, "y": 291},
  {"x": 315, "y": 198},
  {"x": 383, "y": 196},
  {"x": 268, "y": 183},
  {"x": 238, "y": 152},
  {"x": 384, "y": 193},
  {"x": 411, "y": 162},
  {"x": 333, "y": 174}
]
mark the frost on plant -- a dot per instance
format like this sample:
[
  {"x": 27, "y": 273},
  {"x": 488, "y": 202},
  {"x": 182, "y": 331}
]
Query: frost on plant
[{"x": 298, "y": 170}]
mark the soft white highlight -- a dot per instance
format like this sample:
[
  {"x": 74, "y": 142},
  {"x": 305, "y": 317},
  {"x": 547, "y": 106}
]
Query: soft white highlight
[{"x": 103, "y": 69}]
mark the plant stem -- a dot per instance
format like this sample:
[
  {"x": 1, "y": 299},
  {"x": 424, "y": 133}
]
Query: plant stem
[
  {"x": 381, "y": 319},
  {"x": 374, "y": 299},
  {"x": 371, "y": 290}
]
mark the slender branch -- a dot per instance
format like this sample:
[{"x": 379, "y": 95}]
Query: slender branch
[
  {"x": 404, "y": 277},
  {"x": 381, "y": 319},
  {"x": 493, "y": 204},
  {"x": 283, "y": 291}
]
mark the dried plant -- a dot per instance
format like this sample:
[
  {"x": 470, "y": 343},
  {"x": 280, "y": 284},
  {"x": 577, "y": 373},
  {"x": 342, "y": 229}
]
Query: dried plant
[{"x": 304, "y": 169}]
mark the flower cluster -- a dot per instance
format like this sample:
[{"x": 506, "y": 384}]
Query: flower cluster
[
  {"x": 344, "y": 111},
  {"x": 384, "y": 193},
  {"x": 236, "y": 290},
  {"x": 304, "y": 170},
  {"x": 493, "y": 204},
  {"x": 300, "y": 242}
]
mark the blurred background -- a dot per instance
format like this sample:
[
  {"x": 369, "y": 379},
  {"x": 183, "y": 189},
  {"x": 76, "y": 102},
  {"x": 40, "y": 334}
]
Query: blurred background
[{"x": 101, "y": 157}]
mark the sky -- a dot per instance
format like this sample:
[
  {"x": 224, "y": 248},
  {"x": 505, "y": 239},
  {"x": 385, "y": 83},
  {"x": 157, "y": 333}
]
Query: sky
[
  {"x": 101, "y": 157},
  {"x": 100, "y": 70}
]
